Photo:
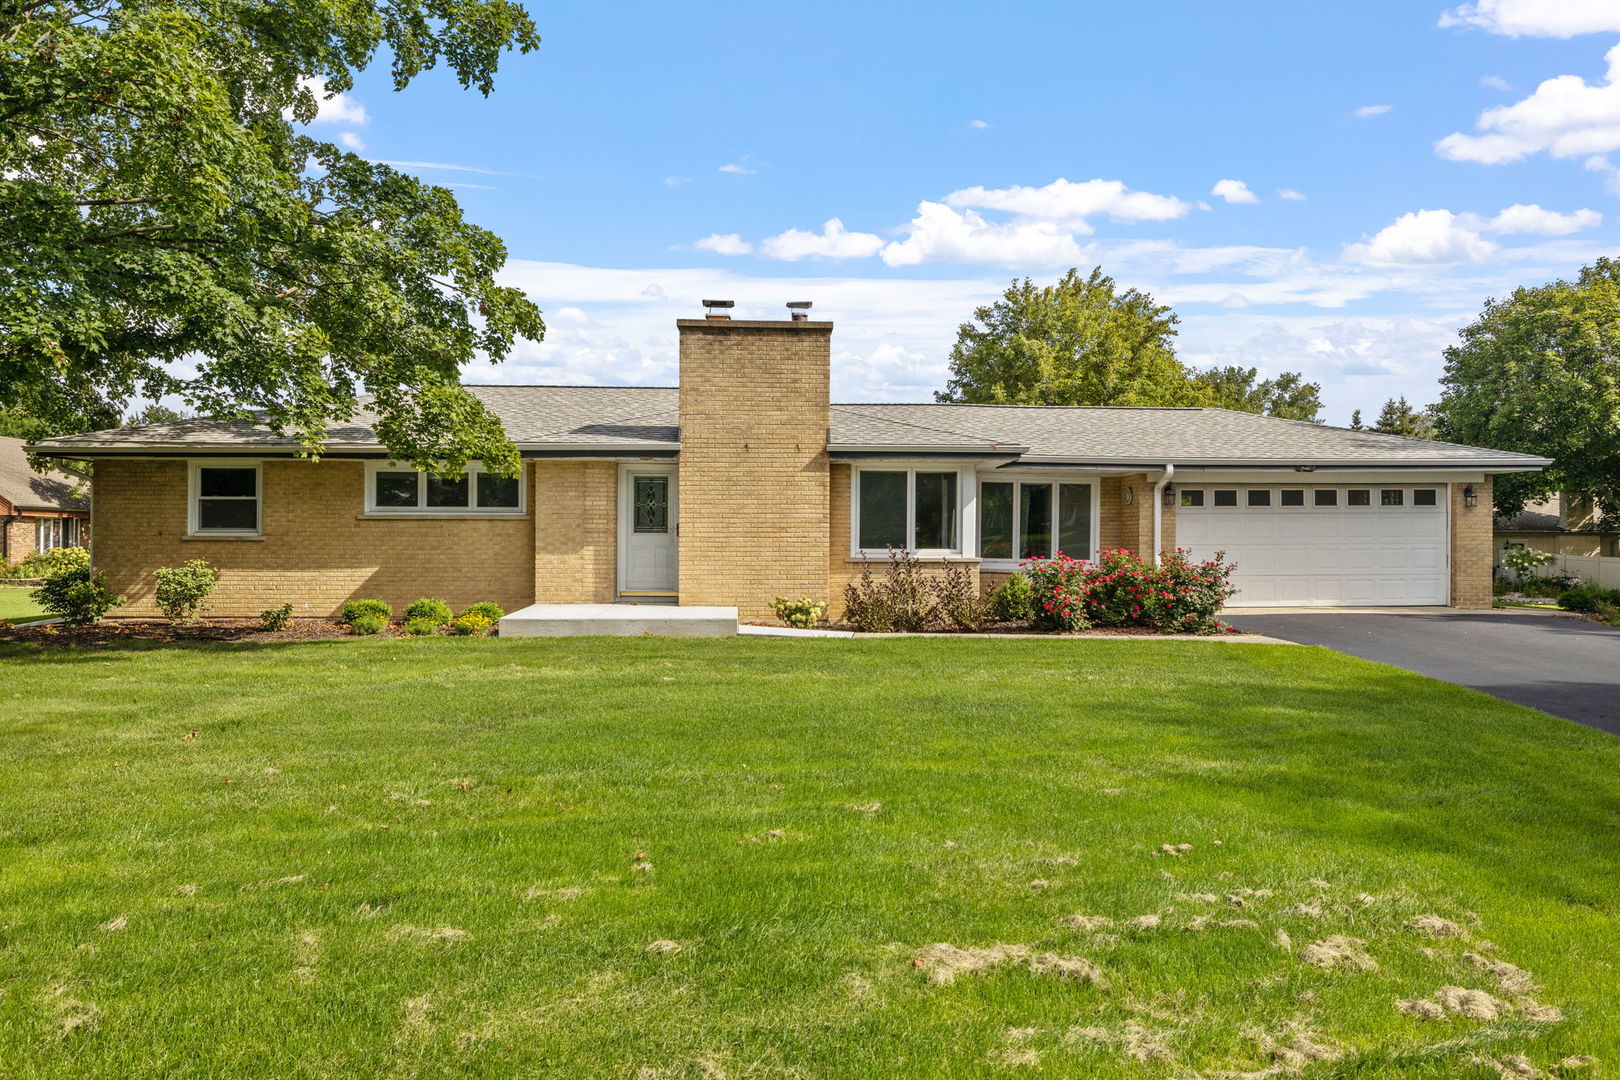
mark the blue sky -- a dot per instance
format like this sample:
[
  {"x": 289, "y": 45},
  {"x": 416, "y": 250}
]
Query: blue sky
[{"x": 1387, "y": 166}]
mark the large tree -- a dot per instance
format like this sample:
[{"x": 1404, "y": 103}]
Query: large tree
[
  {"x": 1539, "y": 373},
  {"x": 168, "y": 227},
  {"x": 1083, "y": 341}
]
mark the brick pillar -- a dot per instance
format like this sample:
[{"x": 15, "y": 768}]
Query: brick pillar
[
  {"x": 753, "y": 483},
  {"x": 1472, "y": 548}
]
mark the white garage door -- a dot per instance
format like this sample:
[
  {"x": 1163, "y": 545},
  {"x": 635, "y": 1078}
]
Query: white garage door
[{"x": 1322, "y": 546}]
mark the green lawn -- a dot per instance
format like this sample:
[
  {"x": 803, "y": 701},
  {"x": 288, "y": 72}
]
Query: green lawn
[
  {"x": 16, "y": 605},
  {"x": 449, "y": 858}
]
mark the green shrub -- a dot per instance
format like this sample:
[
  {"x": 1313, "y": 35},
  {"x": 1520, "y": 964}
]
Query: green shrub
[
  {"x": 802, "y": 613},
  {"x": 74, "y": 594},
  {"x": 423, "y": 625},
  {"x": 1608, "y": 613},
  {"x": 1013, "y": 600},
  {"x": 42, "y": 564},
  {"x": 487, "y": 609},
  {"x": 276, "y": 618},
  {"x": 367, "y": 625},
  {"x": 1524, "y": 560},
  {"x": 181, "y": 590},
  {"x": 472, "y": 624},
  {"x": 1586, "y": 598},
  {"x": 429, "y": 608},
  {"x": 1178, "y": 596},
  {"x": 356, "y": 609}
]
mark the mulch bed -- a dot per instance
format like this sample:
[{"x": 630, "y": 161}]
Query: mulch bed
[{"x": 124, "y": 631}]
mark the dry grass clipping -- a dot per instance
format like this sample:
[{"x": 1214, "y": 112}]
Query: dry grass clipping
[
  {"x": 1434, "y": 926},
  {"x": 1339, "y": 952},
  {"x": 446, "y": 934}
]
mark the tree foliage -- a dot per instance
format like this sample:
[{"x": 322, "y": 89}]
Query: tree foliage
[
  {"x": 1397, "y": 417},
  {"x": 169, "y": 228},
  {"x": 1083, "y": 341},
  {"x": 1539, "y": 373}
]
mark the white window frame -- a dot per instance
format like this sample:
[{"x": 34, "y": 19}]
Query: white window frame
[
  {"x": 421, "y": 509},
  {"x": 966, "y": 491},
  {"x": 195, "y": 493},
  {"x": 58, "y": 530},
  {"x": 1018, "y": 480}
]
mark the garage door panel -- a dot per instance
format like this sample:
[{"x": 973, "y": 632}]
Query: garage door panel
[{"x": 1325, "y": 556}]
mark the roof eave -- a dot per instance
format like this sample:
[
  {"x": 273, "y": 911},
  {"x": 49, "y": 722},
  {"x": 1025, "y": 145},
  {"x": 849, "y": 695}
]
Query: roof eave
[{"x": 1492, "y": 465}]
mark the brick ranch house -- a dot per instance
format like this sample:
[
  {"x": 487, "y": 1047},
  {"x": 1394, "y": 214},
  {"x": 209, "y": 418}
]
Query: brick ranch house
[
  {"x": 745, "y": 483},
  {"x": 38, "y": 511}
]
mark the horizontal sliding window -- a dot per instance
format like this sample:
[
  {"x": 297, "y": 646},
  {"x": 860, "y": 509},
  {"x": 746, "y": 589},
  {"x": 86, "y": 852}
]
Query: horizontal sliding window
[
  {"x": 392, "y": 490},
  {"x": 1027, "y": 519},
  {"x": 907, "y": 510}
]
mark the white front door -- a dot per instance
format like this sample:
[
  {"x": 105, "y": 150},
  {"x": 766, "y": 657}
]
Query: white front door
[
  {"x": 647, "y": 531},
  {"x": 1344, "y": 545}
]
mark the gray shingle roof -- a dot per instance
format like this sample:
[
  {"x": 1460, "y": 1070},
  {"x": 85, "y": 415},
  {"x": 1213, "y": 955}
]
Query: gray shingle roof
[
  {"x": 605, "y": 418},
  {"x": 26, "y": 489}
]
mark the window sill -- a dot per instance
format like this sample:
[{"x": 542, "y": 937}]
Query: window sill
[
  {"x": 256, "y": 537},
  {"x": 920, "y": 558},
  {"x": 413, "y": 515}
]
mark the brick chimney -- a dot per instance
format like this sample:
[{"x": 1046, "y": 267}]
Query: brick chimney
[{"x": 753, "y": 483}]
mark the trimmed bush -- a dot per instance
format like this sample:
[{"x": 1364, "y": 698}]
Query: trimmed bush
[
  {"x": 471, "y": 624},
  {"x": 367, "y": 625},
  {"x": 1586, "y": 598},
  {"x": 1178, "y": 596},
  {"x": 276, "y": 618},
  {"x": 74, "y": 594},
  {"x": 802, "y": 613},
  {"x": 182, "y": 590},
  {"x": 1013, "y": 600},
  {"x": 42, "y": 564},
  {"x": 423, "y": 625},
  {"x": 487, "y": 609},
  {"x": 429, "y": 608},
  {"x": 356, "y": 609}
]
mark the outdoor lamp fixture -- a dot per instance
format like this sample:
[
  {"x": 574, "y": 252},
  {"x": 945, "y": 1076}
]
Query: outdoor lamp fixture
[
  {"x": 1470, "y": 497},
  {"x": 1169, "y": 494}
]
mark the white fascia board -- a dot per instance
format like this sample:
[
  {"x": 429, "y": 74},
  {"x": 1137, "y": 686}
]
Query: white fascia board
[{"x": 1190, "y": 476}]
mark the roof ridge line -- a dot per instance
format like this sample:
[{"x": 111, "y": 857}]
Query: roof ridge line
[{"x": 943, "y": 431}]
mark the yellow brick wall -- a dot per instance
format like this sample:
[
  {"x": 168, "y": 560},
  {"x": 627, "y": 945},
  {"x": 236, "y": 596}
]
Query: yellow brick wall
[
  {"x": 315, "y": 551},
  {"x": 1473, "y": 548},
  {"x": 20, "y": 537},
  {"x": 753, "y": 479},
  {"x": 842, "y": 570},
  {"x": 576, "y": 535}
]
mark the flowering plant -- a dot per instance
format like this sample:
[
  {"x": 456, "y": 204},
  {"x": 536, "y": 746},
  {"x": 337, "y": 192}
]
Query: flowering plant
[{"x": 1178, "y": 596}]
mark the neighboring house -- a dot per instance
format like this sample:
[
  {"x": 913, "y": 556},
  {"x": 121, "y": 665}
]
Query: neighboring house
[
  {"x": 744, "y": 484},
  {"x": 1562, "y": 525},
  {"x": 38, "y": 511}
]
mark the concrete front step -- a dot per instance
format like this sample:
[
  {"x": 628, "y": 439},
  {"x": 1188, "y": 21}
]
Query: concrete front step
[{"x": 619, "y": 620}]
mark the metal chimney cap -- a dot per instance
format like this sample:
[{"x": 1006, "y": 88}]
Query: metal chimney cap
[
  {"x": 720, "y": 303},
  {"x": 800, "y": 305}
]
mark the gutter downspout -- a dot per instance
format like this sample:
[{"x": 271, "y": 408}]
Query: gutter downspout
[{"x": 1158, "y": 510}]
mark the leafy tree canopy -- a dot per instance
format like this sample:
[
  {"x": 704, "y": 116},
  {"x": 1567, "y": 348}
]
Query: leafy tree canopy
[
  {"x": 169, "y": 230},
  {"x": 1082, "y": 341},
  {"x": 1399, "y": 418},
  {"x": 1539, "y": 373}
]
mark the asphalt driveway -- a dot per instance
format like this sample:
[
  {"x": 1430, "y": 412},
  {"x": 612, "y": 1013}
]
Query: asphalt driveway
[{"x": 1568, "y": 667}]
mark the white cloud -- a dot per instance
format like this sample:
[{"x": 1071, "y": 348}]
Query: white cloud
[
  {"x": 1290, "y": 194},
  {"x": 677, "y": 181},
  {"x": 334, "y": 108},
  {"x": 940, "y": 234},
  {"x": 1372, "y": 110},
  {"x": 737, "y": 169},
  {"x": 1073, "y": 203},
  {"x": 834, "y": 242},
  {"x": 1234, "y": 191},
  {"x": 1424, "y": 236},
  {"x": 351, "y": 141},
  {"x": 1494, "y": 82},
  {"x": 1565, "y": 117},
  {"x": 724, "y": 244},
  {"x": 1537, "y": 18},
  {"x": 980, "y": 124},
  {"x": 1522, "y": 218},
  {"x": 442, "y": 166}
]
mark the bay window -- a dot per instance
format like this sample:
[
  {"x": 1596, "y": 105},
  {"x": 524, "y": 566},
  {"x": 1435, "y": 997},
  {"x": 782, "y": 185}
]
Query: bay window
[
  {"x": 391, "y": 490},
  {"x": 907, "y": 509},
  {"x": 1034, "y": 519}
]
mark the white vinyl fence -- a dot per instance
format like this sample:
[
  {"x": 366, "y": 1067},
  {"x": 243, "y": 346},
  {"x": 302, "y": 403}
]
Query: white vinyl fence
[{"x": 1593, "y": 569}]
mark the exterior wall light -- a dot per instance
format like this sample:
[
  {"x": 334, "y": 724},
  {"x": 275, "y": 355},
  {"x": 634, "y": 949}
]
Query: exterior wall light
[
  {"x": 1169, "y": 494},
  {"x": 1470, "y": 497}
]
